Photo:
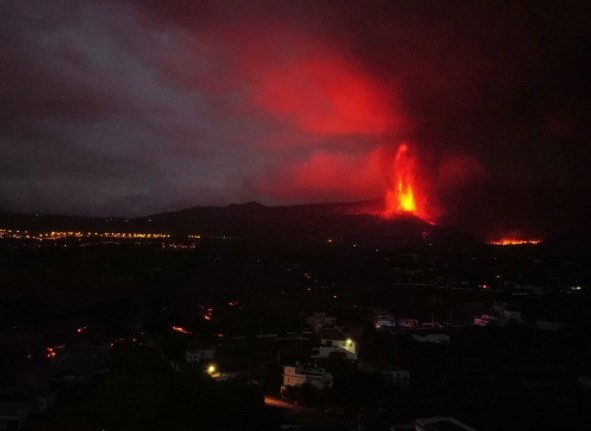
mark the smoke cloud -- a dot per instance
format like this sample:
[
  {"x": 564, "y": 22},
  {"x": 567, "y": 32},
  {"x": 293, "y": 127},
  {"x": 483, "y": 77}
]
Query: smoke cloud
[{"x": 133, "y": 107}]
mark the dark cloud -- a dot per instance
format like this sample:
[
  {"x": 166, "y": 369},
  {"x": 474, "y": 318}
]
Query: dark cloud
[{"x": 133, "y": 107}]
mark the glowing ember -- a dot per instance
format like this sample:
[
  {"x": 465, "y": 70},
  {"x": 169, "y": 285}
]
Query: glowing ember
[
  {"x": 402, "y": 197},
  {"x": 515, "y": 241},
  {"x": 51, "y": 352},
  {"x": 180, "y": 329}
]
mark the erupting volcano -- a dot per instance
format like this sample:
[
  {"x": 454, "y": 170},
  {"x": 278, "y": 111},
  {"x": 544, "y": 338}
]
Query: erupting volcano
[{"x": 403, "y": 197}]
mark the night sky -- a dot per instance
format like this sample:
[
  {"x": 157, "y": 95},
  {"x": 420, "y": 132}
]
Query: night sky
[{"x": 137, "y": 107}]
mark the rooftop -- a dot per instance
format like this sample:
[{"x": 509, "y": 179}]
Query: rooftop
[
  {"x": 331, "y": 334},
  {"x": 442, "y": 424}
]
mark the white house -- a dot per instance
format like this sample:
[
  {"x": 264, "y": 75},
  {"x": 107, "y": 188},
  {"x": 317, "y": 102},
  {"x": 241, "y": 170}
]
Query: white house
[
  {"x": 389, "y": 375},
  {"x": 333, "y": 341},
  {"x": 549, "y": 326},
  {"x": 502, "y": 309},
  {"x": 513, "y": 315},
  {"x": 15, "y": 408},
  {"x": 441, "y": 339},
  {"x": 441, "y": 423},
  {"x": 320, "y": 320},
  {"x": 396, "y": 377},
  {"x": 295, "y": 376},
  {"x": 383, "y": 321},
  {"x": 198, "y": 355}
]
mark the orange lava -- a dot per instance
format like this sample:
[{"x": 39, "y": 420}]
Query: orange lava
[
  {"x": 404, "y": 196},
  {"x": 275, "y": 402},
  {"x": 180, "y": 329},
  {"x": 515, "y": 241}
]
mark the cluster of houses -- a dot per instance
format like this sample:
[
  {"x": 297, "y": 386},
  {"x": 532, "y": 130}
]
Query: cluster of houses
[
  {"x": 501, "y": 314},
  {"x": 440, "y": 423},
  {"x": 332, "y": 341},
  {"x": 336, "y": 342},
  {"x": 386, "y": 321},
  {"x": 36, "y": 385},
  {"x": 329, "y": 342}
]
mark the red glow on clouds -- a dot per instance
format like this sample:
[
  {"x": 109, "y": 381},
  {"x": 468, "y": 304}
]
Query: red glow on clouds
[
  {"x": 326, "y": 127},
  {"x": 325, "y": 96},
  {"x": 327, "y": 175},
  {"x": 458, "y": 169}
]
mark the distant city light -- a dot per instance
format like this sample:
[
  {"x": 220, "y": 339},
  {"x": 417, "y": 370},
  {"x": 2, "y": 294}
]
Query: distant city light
[{"x": 56, "y": 235}]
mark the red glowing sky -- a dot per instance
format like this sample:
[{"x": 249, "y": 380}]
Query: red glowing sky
[
  {"x": 150, "y": 106},
  {"x": 351, "y": 125},
  {"x": 334, "y": 126}
]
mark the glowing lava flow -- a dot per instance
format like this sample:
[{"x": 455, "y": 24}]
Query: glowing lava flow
[
  {"x": 515, "y": 241},
  {"x": 181, "y": 330},
  {"x": 402, "y": 197}
]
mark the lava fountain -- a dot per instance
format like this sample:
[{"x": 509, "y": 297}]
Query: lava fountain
[{"x": 403, "y": 196}]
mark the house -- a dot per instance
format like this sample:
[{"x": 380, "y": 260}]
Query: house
[
  {"x": 440, "y": 339},
  {"x": 15, "y": 407},
  {"x": 513, "y": 315},
  {"x": 320, "y": 320},
  {"x": 389, "y": 375},
  {"x": 174, "y": 365},
  {"x": 584, "y": 381},
  {"x": 486, "y": 320},
  {"x": 503, "y": 311},
  {"x": 536, "y": 290},
  {"x": 549, "y": 326},
  {"x": 384, "y": 321},
  {"x": 441, "y": 424},
  {"x": 228, "y": 376},
  {"x": 80, "y": 364},
  {"x": 408, "y": 323},
  {"x": 198, "y": 355},
  {"x": 295, "y": 376},
  {"x": 333, "y": 342},
  {"x": 352, "y": 330},
  {"x": 397, "y": 377},
  {"x": 44, "y": 400}
]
